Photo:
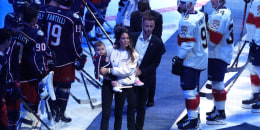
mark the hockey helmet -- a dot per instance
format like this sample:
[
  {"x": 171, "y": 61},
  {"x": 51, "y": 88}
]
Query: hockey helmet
[
  {"x": 12, "y": 20},
  {"x": 220, "y": 2},
  {"x": 187, "y": 2}
]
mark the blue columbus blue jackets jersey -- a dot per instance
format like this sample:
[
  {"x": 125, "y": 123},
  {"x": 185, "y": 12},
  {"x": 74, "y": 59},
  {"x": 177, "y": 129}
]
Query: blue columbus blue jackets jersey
[{"x": 63, "y": 34}]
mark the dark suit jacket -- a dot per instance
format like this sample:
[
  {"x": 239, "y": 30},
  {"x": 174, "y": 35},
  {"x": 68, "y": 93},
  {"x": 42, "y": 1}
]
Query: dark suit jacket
[
  {"x": 151, "y": 59},
  {"x": 136, "y": 22}
]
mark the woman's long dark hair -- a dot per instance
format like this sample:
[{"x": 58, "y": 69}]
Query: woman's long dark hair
[{"x": 119, "y": 30}]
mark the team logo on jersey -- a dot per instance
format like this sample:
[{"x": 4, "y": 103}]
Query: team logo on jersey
[
  {"x": 75, "y": 15},
  {"x": 184, "y": 30},
  {"x": 215, "y": 24},
  {"x": 40, "y": 32}
]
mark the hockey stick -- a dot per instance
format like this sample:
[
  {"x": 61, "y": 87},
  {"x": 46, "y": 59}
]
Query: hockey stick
[
  {"x": 81, "y": 101},
  {"x": 94, "y": 80},
  {"x": 88, "y": 41},
  {"x": 31, "y": 111},
  {"x": 241, "y": 34},
  {"x": 102, "y": 17},
  {"x": 85, "y": 85},
  {"x": 243, "y": 22},
  {"x": 97, "y": 22},
  {"x": 232, "y": 68},
  {"x": 91, "y": 82}
]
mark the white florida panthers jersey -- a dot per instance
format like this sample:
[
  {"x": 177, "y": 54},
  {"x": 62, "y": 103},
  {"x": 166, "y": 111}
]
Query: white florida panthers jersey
[
  {"x": 192, "y": 41},
  {"x": 221, "y": 37},
  {"x": 253, "y": 23}
]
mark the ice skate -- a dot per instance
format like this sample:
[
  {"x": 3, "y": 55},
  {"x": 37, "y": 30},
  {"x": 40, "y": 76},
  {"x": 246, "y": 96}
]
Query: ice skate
[
  {"x": 218, "y": 118},
  {"x": 190, "y": 124},
  {"x": 61, "y": 117},
  {"x": 211, "y": 112},
  {"x": 247, "y": 104},
  {"x": 256, "y": 108}
]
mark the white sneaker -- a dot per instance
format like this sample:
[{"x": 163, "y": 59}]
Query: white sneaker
[{"x": 117, "y": 89}]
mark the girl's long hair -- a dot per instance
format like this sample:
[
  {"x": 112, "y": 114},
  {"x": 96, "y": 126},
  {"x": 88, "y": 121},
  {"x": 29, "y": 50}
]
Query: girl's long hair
[{"x": 119, "y": 30}]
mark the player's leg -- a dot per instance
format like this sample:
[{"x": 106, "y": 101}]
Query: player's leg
[
  {"x": 189, "y": 82},
  {"x": 13, "y": 111},
  {"x": 216, "y": 73},
  {"x": 3, "y": 115},
  {"x": 255, "y": 87},
  {"x": 63, "y": 77},
  {"x": 32, "y": 97}
]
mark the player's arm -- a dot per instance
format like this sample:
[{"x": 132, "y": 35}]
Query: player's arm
[
  {"x": 250, "y": 24},
  {"x": 77, "y": 36},
  {"x": 40, "y": 50}
]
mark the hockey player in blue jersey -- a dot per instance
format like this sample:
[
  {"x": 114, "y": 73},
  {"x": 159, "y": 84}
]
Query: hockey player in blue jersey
[
  {"x": 64, "y": 38},
  {"x": 14, "y": 24},
  {"x": 5, "y": 40},
  {"x": 32, "y": 65}
]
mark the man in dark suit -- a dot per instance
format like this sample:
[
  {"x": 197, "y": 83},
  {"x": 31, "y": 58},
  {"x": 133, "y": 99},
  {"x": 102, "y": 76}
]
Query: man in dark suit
[
  {"x": 150, "y": 49},
  {"x": 144, "y": 9}
]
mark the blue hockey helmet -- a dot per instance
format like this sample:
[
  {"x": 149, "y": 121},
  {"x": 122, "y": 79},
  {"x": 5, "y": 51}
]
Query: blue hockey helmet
[{"x": 12, "y": 20}]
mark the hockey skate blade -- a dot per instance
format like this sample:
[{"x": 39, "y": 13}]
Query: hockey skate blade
[
  {"x": 197, "y": 128},
  {"x": 97, "y": 106},
  {"x": 86, "y": 101},
  {"x": 216, "y": 122},
  {"x": 249, "y": 106}
]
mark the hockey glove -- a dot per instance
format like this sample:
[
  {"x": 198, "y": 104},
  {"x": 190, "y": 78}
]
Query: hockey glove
[
  {"x": 177, "y": 65},
  {"x": 79, "y": 64},
  {"x": 50, "y": 65}
]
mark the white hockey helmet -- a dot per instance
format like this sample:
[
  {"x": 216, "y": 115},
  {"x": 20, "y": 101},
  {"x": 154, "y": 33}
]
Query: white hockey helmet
[{"x": 187, "y": 3}]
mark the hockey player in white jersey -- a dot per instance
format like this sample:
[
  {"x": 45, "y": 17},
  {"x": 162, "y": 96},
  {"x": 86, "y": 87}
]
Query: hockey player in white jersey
[
  {"x": 253, "y": 36},
  {"x": 220, "y": 50},
  {"x": 193, "y": 57},
  {"x": 126, "y": 7}
]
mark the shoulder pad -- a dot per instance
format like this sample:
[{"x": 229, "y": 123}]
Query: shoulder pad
[
  {"x": 75, "y": 15},
  {"x": 40, "y": 33}
]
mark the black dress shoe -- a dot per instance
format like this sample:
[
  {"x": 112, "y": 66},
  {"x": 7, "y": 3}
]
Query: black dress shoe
[{"x": 150, "y": 104}]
